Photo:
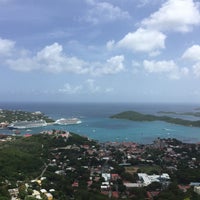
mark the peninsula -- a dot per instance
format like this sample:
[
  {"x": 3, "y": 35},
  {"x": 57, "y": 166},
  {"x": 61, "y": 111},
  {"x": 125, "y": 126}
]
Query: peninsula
[
  {"x": 17, "y": 119},
  {"x": 8, "y": 117},
  {"x": 136, "y": 116}
]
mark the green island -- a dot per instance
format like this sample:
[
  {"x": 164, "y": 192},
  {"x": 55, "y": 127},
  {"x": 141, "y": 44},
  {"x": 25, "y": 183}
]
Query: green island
[
  {"x": 10, "y": 116},
  {"x": 136, "y": 116}
]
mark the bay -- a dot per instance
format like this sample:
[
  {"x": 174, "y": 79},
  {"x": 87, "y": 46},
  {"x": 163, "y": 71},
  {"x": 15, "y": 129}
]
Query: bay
[{"x": 97, "y": 125}]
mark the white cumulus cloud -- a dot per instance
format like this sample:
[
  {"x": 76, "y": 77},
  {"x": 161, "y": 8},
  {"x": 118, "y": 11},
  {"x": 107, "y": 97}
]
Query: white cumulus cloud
[
  {"x": 192, "y": 53},
  {"x": 174, "y": 15},
  {"x": 143, "y": 40},
  {"x": 23, "y": 64},
  {"x": 111, "y": 66},
  {"x": 53, "y": 59},
  {"x": 104, "y": 12},
  {"x": 6, "y": 46},
  {"x": 168, "y": 68}
]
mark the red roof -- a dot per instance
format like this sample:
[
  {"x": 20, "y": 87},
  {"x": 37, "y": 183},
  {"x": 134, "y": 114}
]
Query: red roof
[
  {"x": 115, "y": 194},
  {"x": 27, "y": 135},
  {"x": 115, "y": 176},
  {"x": 75, "y": 184}
]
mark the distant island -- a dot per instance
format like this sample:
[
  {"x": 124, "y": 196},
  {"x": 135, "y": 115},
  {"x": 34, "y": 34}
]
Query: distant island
[
  {"x": 195, "y": 114},
  {"x": 136, "y": 116}
]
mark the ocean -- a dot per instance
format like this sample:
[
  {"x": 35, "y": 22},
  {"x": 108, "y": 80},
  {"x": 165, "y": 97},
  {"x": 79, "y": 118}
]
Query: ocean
[{"x": 97, "y": 124}]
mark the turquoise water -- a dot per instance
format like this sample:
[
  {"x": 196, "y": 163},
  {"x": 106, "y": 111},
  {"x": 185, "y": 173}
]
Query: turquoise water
[
  {"x": 104, "y": 129},
  {"x": 97, "y": 125}
]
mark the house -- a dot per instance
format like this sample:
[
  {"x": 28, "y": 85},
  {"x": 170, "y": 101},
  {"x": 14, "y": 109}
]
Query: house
[
  {"x": 106, "y": 176},
  {"x": 197, "y": 189},
  {"x": 49, "y": 196},
  {"x": 75, "y": 184}
]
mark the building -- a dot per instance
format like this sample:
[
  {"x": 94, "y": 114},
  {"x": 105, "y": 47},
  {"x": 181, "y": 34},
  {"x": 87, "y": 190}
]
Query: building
[
  {"x": 197, "y": 189},
  {"x": 148, "y": 179}
]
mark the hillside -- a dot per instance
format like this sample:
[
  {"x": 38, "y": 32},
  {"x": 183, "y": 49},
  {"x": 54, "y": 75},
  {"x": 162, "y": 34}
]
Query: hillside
[
  {"x": 26, "y": 161},
  {"x": 19, "y": 115}
]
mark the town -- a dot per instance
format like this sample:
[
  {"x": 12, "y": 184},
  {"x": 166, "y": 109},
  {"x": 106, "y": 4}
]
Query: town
[{"x": 61, "y": 165}]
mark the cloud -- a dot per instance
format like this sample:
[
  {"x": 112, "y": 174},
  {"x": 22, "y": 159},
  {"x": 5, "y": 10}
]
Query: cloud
[
  {"x": 196, "y": 69},
  {"x": 168, "y": 68},
  {"x": 136, "y": 67},
  {"x": 174, "y": 15},
  {"x": 53, "y": 59},
  {"x": 87, "y": 87},
  {"x": 113, "y": 65},
  {"x": 109, "y": 90},
  {"x": 192, "y": 53},
  {"x": 23, "y": 64},
  {"x": 91, "y": 86},
  {"x": 110, "y": 44},
  {"x": 50, "y": 59},
  {"x": 69, "y": 89},
  {"x": 6, "y": 46},
  {"x": 142, "y": 40},
  {"x": 104, "y": 12},
  {"x": 142, "y": 3}
]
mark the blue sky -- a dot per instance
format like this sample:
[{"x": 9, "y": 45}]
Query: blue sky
[{"x": 100, "y": 50}]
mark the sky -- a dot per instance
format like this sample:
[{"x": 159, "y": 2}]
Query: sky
[{"x": 100, "y": 51}]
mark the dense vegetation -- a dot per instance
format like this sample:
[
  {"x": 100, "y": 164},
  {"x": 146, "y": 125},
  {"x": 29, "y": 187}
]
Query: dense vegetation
[
  {"x": 25, "y": 159},
  {"x": 18, "y": 115},
  {"x": 135, "y": 116}
]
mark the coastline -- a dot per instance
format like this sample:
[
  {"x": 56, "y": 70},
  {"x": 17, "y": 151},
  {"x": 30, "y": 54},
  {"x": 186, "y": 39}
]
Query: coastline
[
  {"x": 97, "y": 125},
  {"x": 136, "y": 116}
]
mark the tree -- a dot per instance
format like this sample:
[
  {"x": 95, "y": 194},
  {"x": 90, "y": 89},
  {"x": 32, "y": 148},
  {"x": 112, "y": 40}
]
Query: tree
[{"x": 154, "y": 186}]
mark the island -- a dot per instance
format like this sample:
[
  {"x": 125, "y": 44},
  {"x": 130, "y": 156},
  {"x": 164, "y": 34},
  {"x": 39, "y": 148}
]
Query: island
[
  {"x": 195, "y": 114},
  {"x": 136, "y": 116}
]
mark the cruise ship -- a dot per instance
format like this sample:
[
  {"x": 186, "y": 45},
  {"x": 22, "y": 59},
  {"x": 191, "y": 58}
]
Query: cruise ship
[
  {"x": 69, "y": 121},
  {"x": 27, "y": 124}
]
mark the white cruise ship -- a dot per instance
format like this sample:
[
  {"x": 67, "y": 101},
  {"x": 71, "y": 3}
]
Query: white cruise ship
[
  {"x": 27, "y": 124},
  {"x": 64, "y": 121}
]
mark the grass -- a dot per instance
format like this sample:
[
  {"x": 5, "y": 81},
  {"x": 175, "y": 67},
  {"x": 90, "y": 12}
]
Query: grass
[{"x": 143, "y": 169}]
